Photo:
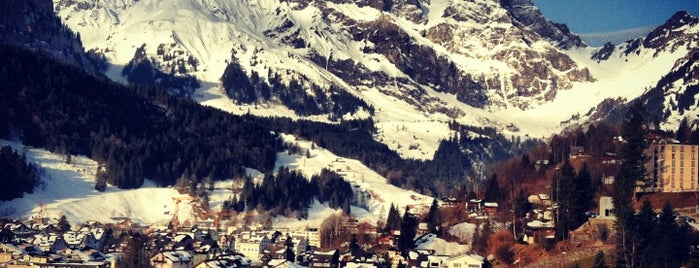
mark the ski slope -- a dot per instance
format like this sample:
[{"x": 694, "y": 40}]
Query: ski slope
[{"x": 68, "y": 189}]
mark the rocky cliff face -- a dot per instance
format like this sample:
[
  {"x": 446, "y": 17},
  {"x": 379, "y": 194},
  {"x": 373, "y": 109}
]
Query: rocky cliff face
[
  {"x": 524, "y": 12},
  {"x": 484, "y": 53}
]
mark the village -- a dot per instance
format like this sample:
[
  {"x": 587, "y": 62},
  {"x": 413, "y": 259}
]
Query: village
[{"x": 42, "y": 243}]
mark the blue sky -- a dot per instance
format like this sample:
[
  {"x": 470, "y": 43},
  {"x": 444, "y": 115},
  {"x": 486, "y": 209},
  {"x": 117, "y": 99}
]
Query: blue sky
[{"x": 596, "y": 16}]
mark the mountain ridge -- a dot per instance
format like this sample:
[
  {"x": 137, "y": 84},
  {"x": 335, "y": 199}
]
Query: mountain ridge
[{"x": 499, "y": 64}]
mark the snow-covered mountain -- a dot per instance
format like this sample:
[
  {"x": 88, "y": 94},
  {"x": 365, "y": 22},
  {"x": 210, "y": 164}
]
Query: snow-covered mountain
[
  {"x": 412, "y": 65},
  {"x": 669, "y": 56}
]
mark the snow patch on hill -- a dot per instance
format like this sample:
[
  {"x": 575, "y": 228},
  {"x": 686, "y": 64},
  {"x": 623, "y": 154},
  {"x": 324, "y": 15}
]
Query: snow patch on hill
[
  {"x": 379, "y": 192},
  {"x": 68, "y": 189}
]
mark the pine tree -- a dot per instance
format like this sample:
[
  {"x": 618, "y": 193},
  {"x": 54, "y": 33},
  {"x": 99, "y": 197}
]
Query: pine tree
[
  {"x": 408, "y": 230},
  {"x": 631, "y": 171},
  {"x": 522, "y": 205},
  {"x": 354, "y": 247},
  {"x": 393, "y": 220},
  {"x": 492, "y": 190},
  {"x": 63, "y": 224},
  {"x": 434, "y": 219},
  {"x": 583, "y": 196},
  {"x": 289, "y": 254},
  {"x": 643, "y": 235},
  {"x": 564, "y": 193},
  {"x": 663, "y": 235}
]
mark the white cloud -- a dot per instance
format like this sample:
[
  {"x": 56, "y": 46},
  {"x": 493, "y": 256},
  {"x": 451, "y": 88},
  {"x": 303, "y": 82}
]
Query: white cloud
[{"x": 616, "y": 37}]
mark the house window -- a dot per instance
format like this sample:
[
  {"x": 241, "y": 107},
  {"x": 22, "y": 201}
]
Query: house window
[
  {"x": 474, "y": 266},
  {"x": 457, "y": 265},
  {"x": 681, "y": 148},
  {"x": 673, "y": 149}
]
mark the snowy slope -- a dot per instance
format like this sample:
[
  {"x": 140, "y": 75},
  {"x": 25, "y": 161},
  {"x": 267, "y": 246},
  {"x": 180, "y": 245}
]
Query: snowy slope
[
  {"x": 68, "y": 189},
  {"x": 380, "y": 194}
]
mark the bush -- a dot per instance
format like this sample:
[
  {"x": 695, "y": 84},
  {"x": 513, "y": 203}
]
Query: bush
[{"x": 505, "y": 254}]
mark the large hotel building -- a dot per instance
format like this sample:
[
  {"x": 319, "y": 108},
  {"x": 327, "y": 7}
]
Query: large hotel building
[{"x": 672, "y": 167}]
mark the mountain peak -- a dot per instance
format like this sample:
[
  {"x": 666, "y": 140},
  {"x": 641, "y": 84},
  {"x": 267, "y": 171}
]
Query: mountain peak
[
  {"x": 528, "y": 14},
  {"x": 670, "y": 30}
]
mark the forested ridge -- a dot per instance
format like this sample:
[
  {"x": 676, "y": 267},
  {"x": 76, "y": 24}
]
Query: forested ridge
[
  {"x": 289, "y": 193},
  {"x": 334, "y": 100},
  {"x": 137, "y": 132}
]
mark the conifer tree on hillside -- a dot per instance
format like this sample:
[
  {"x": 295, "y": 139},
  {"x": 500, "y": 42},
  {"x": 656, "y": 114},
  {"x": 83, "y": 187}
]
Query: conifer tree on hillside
[
  {"x": 289, "y": 254},
  {"x": 522, "y": 205},
  {"x": 564, "y": 194},
  {"x": 493, "y": 193},
  {"x": 408, "y": 230},
  {"x": 393, "y": 220},
  {"x": 434, "y": 219},
  {"x": 631, "y": 171},
  {"x": 583, "y": 196},
  {"x": 669, "y": 240},
  {"x": 643, "y": 235},
  {"x": 63, "y": 224},
  {"x": 683, "y": 131}
]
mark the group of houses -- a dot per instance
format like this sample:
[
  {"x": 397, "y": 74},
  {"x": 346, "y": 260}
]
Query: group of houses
[
  {"x": 42, "y": 244},
  {"x": 97, "y": 245}
]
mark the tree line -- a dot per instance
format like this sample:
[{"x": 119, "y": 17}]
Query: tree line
[
  {"x": 289, "y": 193},
  {"x": 294, "y": 94},
  {"x": 18, "y": 177}
]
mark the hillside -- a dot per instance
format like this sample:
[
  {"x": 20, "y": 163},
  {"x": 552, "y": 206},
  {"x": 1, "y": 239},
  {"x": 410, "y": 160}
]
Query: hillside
[{"x": 68, "y": 189}]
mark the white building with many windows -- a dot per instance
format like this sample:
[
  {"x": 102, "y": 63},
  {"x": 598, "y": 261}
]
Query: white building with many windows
[{"x": 252, "y": 244}]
